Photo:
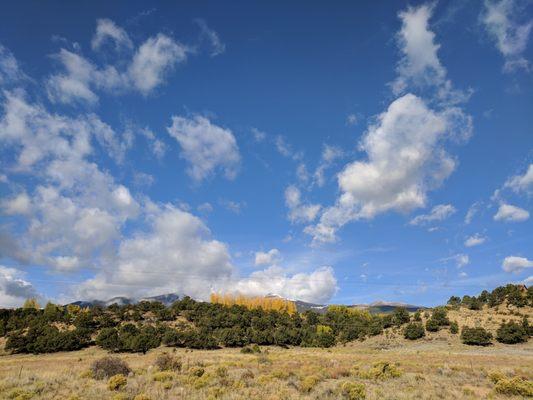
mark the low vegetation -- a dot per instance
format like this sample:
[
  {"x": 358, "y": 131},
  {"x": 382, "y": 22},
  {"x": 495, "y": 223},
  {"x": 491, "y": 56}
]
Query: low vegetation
[{"x": 148, "y": 351}]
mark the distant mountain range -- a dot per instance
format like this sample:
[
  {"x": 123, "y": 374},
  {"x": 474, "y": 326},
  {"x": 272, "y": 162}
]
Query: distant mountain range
[{"x": 376, "y": 307}]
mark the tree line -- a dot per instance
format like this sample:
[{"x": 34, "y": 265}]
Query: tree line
[{"x": 200, "y": 325}]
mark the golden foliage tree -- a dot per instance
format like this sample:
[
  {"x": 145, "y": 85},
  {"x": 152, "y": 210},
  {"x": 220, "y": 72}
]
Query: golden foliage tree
[
  {"x": 32, "y": 303},
  {"x": 266, "y": 303}
]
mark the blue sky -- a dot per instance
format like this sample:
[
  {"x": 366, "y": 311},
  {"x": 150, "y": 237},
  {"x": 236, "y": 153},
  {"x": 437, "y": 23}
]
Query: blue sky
[{"x": 329, "y": 153}]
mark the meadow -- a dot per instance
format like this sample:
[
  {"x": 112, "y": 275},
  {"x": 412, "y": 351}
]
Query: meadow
[{"x": 436, "y": 367}]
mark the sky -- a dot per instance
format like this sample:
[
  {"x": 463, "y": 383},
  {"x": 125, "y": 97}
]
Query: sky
[{"x": 343, "y": 152}]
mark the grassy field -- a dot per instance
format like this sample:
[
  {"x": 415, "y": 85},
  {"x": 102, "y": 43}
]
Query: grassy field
[{"x": 436, "y": 367}]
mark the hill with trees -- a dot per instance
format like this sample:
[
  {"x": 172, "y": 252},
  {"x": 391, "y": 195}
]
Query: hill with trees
[{"x": 236, "y": 321}]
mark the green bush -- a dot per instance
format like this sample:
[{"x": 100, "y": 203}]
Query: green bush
[
  {"x": 400, "y": 316},
  {"x": 432, "y": 325},
  {"x": 476, "y": 336},
  {"x": 454, "y": 328},
  {"x": 511, "y": 333},
  {"x": 414, "y": 330}
]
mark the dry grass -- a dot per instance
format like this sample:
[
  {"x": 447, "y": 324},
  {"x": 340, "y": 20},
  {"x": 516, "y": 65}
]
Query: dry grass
[{"x": 435, "y": 367}]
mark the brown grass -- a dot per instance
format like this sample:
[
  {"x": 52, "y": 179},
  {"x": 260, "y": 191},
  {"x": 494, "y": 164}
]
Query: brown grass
[{"x": 436, "y": 367}]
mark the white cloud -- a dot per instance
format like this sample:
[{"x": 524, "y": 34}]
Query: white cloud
[
  {"x": 177, "y": 254},
  {"x": 205, "y": 146},
  {"x": 316, "y": 287},
  {"x": 330, "y": 154},
  {"x": 10, "y": 71},
  {"x": 437, "y": 213},
  {"x": 270, "y": 257},
  {"x": 510, "y": 213},
  {"x": 107, "y": 30},
  {"x": 233, "y": 206},
  {"x": 153, "y": 60},
  {"x": 299, "y": 212},
  {"x": 475, "y": 240},
  {"x": 522, "y": 183},
  {"x": 157, "y": 146},
  {"x": 516, "y": 264},
  {"x": 77, "y": 213},
  {"x": 405, "y": 159},
  {"x": 462, "y": 260},
  {"x": 217, "y": 47},
  {"x": 14, "y": 290},
  {"x": 17, "y": 205},
  {"x": 258, "y": 135},
  {"x": 472, "y": 211},
  {"x": 501, "y": 22},
  {"x": 420, "y": 64},
  {"x": 147, "y": 69}
]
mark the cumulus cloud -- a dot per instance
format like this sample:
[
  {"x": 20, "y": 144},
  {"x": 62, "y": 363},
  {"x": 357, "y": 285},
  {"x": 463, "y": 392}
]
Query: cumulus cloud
[
  {"x": 437, "y": 213},
  {"x": 420, "y": 67},
  {"x": 516, "y": 264},
  {"x": 405, "y": 159},
  {"x": 420, "y": 64},
  {"x": 522, "y": 183},
  {"x": 270, "y": 257},
  {"x": 14, "y": 290},
  {"x": 107, "y": 30},
  {"x": 510, "y": 213},
  {"x": 176, "y": 254},
  {"x": 404, "y": 145},
  {"x": 146, "y": 70},
  {"x": 19, "y": 204},
  {"x": 316, "y": 287},
  {"x": 501, "y": 20},
  {"x": 153, "y": 60},
  {"x": 205, "y": 146},
  {"x": 298, "y": 211},
  {"x": 475, "y": 240},
  {"x": 77, "y": 212}
]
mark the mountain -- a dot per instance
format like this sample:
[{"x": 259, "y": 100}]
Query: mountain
[
  {"x": 377, "y": 307},
  {"x": 166, "y": 299}
]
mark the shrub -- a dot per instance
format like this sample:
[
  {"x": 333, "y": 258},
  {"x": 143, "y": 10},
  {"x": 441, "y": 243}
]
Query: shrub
[
  {"x": 167, "y": 362},
  {"x": 163, "y": 376},
  {"x": 108, "y": 339},
  {"x": 516, "y": 386},
  {"x": 308, "y": 383},
  {"x": 511, "y": 333},
  {"x": 414, "y": 330},
  {"x": 117, "y": 382},
  {"x": 109, "y": 366},
  {"x": 454, "y": 328},
  {"x": 432, "y": 325},
  {"x": 476, "y": 336},
  {"x": 440, "y": 316},
  {"x": 400, "y": 316},
  {"x": 352, "y": 390},
  {"x": 381, "y": 370}
]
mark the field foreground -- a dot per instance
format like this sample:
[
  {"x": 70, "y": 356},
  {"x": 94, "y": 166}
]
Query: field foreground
[{"x": 440, "y": 367}]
